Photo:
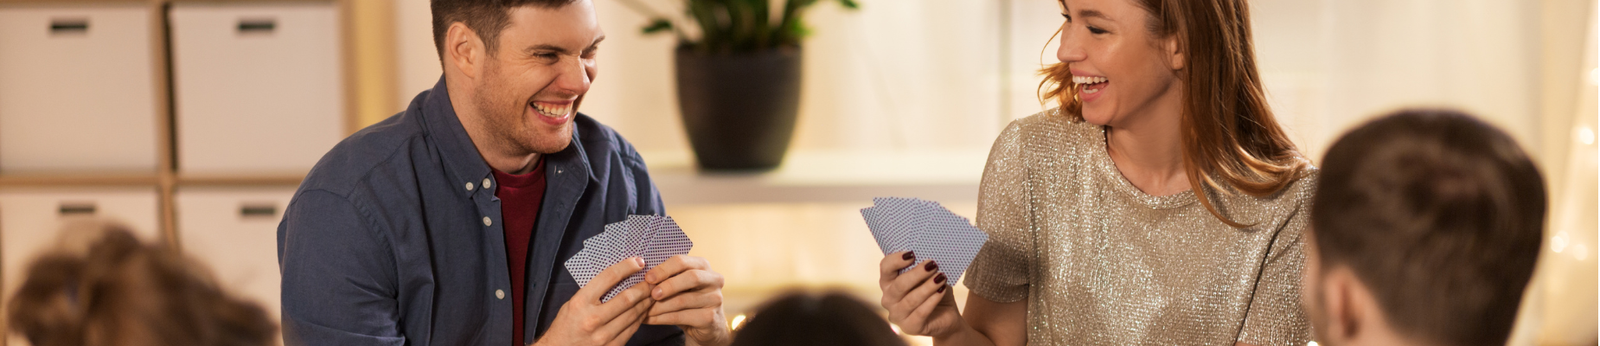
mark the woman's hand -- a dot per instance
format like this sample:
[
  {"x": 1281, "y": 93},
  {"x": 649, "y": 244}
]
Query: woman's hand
[{"x": 919, "y": 301}]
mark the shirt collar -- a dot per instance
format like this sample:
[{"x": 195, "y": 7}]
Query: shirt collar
[
  {"x": 460, "y": 155},
  {"x": 461, "y": 160}
]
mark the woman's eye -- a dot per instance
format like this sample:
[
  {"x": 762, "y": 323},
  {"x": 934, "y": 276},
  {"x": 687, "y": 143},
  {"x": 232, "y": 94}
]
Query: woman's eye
[{"x": 1097, "y": 31}]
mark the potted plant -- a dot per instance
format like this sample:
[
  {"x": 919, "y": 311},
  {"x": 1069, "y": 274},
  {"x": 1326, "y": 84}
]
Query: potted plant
[{"x": 739, "y": 80}]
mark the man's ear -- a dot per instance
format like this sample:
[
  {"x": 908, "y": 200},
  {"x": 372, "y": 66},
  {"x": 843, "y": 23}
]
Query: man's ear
[
  {"x": 1340, "y": 295},
  {"x": 464, "y": 49},
  {"x": 1175, "y": 58}
]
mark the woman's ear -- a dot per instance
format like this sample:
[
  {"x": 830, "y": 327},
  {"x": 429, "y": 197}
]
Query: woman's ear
[
  {"x": 1175, "y": 58},
  {"x": 464, "y": 49}
]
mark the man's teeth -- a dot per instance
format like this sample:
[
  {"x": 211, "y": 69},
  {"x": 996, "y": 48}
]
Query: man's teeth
[
  {"x": 552, "y": 111},
  {"x": 1088, "y": 80}
]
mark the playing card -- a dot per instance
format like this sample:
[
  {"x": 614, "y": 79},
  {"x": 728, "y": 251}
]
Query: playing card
[
  {"x": 654, "y": 238},
  {"x": 951, "y": 241},
  {"x": 926, "y": 228}
]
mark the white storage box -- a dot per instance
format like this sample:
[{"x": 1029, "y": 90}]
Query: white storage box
[
  {"x": 258, "y": 87},
  {"x": 77, "y": 88},
  {"x": 234, "y": 232}
]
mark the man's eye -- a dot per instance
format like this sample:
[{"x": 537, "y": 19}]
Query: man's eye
[{"x": 547, "y": 56}]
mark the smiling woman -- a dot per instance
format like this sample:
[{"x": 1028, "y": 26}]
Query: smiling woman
[{"x": 1161, "y": 204}]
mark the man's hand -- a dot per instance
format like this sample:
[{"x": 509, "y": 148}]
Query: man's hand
[
  {"x": 689, "y": 295},
  {"x": 583, "y": 320}
]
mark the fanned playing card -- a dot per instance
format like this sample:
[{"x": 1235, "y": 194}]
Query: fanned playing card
[
  {"x": 652, "y": 237},
  {"x": 927, "y": 229}
]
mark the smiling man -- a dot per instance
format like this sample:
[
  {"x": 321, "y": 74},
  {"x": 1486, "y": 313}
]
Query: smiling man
[{"x": 448, "y": 224}]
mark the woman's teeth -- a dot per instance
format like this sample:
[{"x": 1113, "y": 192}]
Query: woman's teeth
[
  {"x": 553, "y": 111},
  {"x": 1090, "y": 84},
  {"x": 1088, "y": 80}
]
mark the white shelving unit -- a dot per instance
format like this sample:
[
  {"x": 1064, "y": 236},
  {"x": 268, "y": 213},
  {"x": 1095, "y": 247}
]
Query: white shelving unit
[
  {"x": 191, "y": 122},
  {"x": 823, "y": 177}
]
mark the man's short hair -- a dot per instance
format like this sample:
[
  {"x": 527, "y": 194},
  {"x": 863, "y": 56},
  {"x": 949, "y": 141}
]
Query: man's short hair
[
  {"x": 1440, "y": 215},
  {"x": 485, "y": 17}
]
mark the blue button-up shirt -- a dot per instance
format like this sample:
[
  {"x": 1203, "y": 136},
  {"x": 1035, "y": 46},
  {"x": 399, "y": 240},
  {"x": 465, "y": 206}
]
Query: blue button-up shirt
[{"x": 395, "y": 238}]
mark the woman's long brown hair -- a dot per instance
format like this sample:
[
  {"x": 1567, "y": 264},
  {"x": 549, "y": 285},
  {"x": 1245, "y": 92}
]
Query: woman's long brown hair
[{"x": 1229, "y": 133}]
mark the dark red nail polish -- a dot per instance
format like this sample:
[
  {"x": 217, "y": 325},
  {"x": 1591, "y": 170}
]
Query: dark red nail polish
[
  {"x": 908, "y": 255},
  {"x": 931, "y": 266},
  {"x": 939, "y": 279},
  {"x": 941, "y": 289}
]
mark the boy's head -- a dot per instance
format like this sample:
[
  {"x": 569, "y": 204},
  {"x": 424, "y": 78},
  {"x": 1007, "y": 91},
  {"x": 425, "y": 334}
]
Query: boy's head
[{"x": 1425, "y": 229}]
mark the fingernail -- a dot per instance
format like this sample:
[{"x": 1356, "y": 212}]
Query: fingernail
[
  {"x": 939, "y": 279},
  {"x": 941, "y": 289},
  {"x": 640, "y": 260},
  {"x": 908, "y": 255},
  {"x": 931, "y": 266},
  {"x": 650, "y": 277},
  {"x": 656, "y": 293}
]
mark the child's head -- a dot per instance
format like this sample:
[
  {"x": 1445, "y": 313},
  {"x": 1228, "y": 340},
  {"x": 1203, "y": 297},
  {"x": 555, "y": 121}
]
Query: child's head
[
  {"x": 104, "y": 287},
  {"x": 808, "y": 319}
]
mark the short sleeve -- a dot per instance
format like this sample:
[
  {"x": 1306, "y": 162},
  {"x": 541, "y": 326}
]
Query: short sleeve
[
  {"x": 1275, "y": 316},
  {"x": 1001, "y": 270}
]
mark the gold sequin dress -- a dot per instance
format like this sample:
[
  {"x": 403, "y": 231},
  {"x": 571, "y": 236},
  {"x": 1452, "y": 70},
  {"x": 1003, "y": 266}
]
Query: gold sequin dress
[{"x": 1102, "y": 263}]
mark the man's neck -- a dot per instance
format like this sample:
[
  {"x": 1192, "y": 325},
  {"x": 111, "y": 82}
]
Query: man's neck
[{"x": 501, "y": 154}]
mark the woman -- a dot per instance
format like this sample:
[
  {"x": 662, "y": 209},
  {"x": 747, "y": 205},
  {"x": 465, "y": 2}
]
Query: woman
[{"x": 1160, "y": 205}]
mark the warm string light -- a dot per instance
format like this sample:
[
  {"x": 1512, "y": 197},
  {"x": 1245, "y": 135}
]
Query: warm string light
[{"x": 1558, "y": 243}]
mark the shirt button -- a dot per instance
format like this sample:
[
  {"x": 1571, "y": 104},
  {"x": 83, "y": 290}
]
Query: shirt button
[
  {"x": 558, "y": 171},
  {"x": 499, "y": 294},
  {"x": 485, "y": 183},
  {"x": 469, "y": 186},
  {"x": 487, "y": 221}
]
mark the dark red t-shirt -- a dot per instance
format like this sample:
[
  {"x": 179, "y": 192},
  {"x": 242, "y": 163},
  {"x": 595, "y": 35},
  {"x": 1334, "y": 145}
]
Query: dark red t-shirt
[{"x": 520, "y": 196}]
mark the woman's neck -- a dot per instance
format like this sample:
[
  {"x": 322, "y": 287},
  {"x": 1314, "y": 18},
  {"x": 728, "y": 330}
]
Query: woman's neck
[{"x": 1148, "y": 151}]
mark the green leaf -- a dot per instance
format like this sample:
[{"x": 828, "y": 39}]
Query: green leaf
[
  {"x": 850, "y": 4},
  {"x": 658, "y": 25}
]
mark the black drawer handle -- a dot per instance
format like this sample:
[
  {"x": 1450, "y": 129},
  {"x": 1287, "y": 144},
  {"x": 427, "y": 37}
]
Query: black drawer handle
[
  {"x": 258, "y": 210},
  {"x": 69, "y": 25},
  {"x": 257, "y": 26},
  {"x": 76, "y": 208}
]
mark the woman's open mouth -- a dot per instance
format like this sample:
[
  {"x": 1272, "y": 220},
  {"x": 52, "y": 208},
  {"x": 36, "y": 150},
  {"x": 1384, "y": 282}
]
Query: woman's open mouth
[{"x": 1090, "y": 85}]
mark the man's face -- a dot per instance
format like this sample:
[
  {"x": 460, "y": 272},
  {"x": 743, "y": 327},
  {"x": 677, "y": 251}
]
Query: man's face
[{"x": 533, "y": 83}]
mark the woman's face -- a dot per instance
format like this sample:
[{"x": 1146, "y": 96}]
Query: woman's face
[{"x": 1121, "y": 71}]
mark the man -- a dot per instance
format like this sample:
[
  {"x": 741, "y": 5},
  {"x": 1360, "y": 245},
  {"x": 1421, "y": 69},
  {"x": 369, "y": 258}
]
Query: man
[
  {"x": 448, "y": 224},
  {"x": 1425, "y": 229}
]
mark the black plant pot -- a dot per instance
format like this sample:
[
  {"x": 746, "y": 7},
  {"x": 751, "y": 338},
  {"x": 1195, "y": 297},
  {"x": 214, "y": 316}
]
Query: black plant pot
[{"x": 739, "y": 109}]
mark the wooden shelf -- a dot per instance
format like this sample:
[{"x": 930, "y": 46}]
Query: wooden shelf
[
  {"x": 281, "y": 179},
  {"x": 79, "y": 179},
  {"x": 824, "y": 177},
  {"x": 84, "y": 2}
]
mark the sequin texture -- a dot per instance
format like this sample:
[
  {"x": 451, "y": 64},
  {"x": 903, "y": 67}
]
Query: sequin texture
[{"x": 1102, "y": 263}]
